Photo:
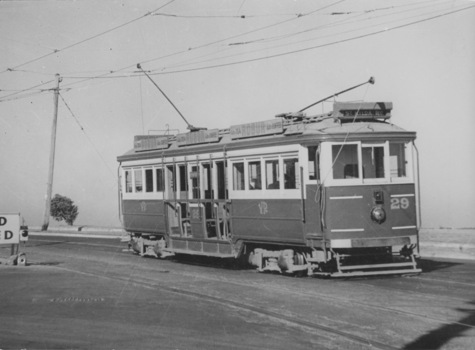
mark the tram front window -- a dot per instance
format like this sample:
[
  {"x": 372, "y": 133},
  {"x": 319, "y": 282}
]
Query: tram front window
[
  {"x": 345, "y": 161},
  {"x": 397, "y": 159},
  {"x": 373, "y": 161}
]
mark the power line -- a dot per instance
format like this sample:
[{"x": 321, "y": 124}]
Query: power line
[
  {"x": 6, "y": 97},
  {"x": 317, "y": 46},
  {"x": 105, "y": 75},
  {"x": 85, "y": 40},
  {"x": 288, "y": 36}
]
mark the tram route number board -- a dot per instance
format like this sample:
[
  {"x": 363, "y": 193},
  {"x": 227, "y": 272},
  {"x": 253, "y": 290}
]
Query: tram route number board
[{"x": 9, "y": 229}]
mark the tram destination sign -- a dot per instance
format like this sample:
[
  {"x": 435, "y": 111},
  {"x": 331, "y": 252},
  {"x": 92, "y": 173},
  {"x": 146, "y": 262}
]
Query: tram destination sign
[
  {"x": 362, "y": 110},
  {"x": 266, "y": 127},
  {"x": 197, "y": 137},
  {"x": 150, "y": 142}
]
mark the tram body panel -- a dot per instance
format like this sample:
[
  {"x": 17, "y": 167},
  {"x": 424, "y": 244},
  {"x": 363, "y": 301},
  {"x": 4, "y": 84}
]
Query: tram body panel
[
  {"x": 349, "y": 209},
  {"x": 267, "y": 220},
  {"x": 143, "y": 216}
]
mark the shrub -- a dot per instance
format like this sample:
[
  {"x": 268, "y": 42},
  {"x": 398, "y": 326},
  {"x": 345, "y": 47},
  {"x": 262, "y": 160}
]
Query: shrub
[{"x": 63, "y": 208}]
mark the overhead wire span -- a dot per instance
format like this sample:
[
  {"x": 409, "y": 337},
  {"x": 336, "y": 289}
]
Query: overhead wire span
[
  {"x": 85, "y": 40},
  {"x": 385, "y": 30},
  {"x": 9, "y": 97},
  {"x": 105, "y": 75},
  {"x": 289, "y": 35},
  {"x": 185, "y": 63}
]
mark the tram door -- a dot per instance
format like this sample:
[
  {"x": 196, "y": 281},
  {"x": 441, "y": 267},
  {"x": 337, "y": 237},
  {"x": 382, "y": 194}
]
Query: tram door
[
  {"x": 197, "y": 215},
  {"x": 221, "y": 207},
  {"x": 172, "y": 212},
  {"x": 201, "y": 207}
]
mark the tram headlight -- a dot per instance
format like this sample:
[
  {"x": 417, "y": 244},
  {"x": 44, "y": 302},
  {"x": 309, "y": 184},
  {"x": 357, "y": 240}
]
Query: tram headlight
[{"x": 378, "y": 215}]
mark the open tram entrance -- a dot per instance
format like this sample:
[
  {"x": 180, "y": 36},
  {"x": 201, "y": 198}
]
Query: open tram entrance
[{"x": 195, "y": 201}]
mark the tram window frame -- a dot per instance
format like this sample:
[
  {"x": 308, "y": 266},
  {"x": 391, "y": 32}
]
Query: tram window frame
[
  {"x": 373, "y": 168},
  {"x": 148, "y": 180},
  {"x": 272, "y": 177},
  {"x": 292, "y": 178},
  {"x": 254, "y": 175},
  {"x": 239, "y": 176},
  {"x": 182, "y": 175},
  {"x": 138, "y": 180},
  {"x": 314, "y": 162},
  {"x": 402, "y": 165},
  {"x": 349, "y": 169},
  {"x": 128, "y": 181},
  {"x": 159, "y": 180},
  {"x": 404, "y": 152}
]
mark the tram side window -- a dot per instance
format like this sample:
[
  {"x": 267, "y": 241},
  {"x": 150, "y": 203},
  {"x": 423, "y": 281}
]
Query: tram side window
[
  {"x": 397, "y": 160},
  {"x": 138, "y": 183},
  {"x": 128, "y": 181},
  {"x": 272, "y": 174},
  {"x": 313, "y": 163},
  {"x": 291, "y": 173},
  {"x": 238, "y": 176},
  {"x": 148, "y": 180},
  {"x": 373, "y": 161},
  {"x": 160, "y": 183},
  {"x": 255, "y": 182},
  {"x": 182, "y": 169},
  {"x": 345, "y": 161}
]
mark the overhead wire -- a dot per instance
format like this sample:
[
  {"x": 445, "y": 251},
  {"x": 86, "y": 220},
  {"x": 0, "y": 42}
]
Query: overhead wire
[
  {"x": 345, "y": 21},
  {"x": 133, "y": 74},
  {"x": 385, "y": 30},
  {"x": 113, "y": 73},
  {"x": 9, "y": 97},
  {"x": 293, "y": 42},
  {"x": 107, "y": 74},
  {"x": 85, "y": 40}
]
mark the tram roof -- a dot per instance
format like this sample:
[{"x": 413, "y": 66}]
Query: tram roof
[{"x": 284, "y": 129}]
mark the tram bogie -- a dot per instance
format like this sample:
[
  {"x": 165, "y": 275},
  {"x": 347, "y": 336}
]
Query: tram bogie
[{"x": 330, "y": 195}]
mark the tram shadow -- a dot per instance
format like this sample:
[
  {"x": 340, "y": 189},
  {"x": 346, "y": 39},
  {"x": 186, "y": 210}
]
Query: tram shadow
[
  {"x": 429, "y": 265},
  {"x": 439, "y": 337}
]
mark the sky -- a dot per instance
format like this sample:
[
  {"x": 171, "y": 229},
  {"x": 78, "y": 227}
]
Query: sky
[{"x": 224, "y": 63}]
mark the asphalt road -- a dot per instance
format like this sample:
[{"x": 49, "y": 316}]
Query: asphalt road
[{"x": 88, "y": 293}]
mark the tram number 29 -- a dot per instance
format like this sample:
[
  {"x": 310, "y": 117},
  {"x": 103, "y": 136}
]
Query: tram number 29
[{"x": 399, "y": 203}]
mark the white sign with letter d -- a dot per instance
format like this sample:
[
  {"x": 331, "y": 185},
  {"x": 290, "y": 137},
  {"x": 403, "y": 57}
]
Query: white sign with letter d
[{"x": 9, "y": 229}]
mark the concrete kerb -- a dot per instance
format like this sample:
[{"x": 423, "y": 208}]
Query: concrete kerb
[{"x": 78, "y": 231}]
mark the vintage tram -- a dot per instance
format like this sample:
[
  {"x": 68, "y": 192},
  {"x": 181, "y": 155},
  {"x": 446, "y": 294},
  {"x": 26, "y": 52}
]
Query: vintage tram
[{"x": 334, "y": 194}]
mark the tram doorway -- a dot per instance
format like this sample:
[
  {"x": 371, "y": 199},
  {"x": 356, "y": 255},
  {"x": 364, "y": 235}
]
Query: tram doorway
[{"x": 172, "y": 210}]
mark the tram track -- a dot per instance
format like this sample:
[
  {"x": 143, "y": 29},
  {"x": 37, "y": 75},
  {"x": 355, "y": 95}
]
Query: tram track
[
  {"x": 149, "y": 266},
  {"x": 147, "y": 269},
  {"x": 279, "y": 317}
]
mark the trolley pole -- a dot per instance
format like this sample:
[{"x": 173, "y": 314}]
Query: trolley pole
[{"x": 49, "y": 185}]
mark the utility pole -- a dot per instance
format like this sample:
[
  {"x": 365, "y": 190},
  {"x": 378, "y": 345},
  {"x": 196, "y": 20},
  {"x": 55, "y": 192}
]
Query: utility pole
[{"x": 49, "y": 185}]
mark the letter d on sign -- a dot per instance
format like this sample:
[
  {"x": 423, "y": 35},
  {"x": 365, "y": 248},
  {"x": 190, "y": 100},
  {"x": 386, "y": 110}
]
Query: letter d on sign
[
  {"x": 8, "y": 235},
  {"x": 3, "y": 220}
]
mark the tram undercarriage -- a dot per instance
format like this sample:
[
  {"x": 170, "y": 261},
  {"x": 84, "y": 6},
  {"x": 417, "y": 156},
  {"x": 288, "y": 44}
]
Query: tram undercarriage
[
  {"x": 299, "y": 261},
  {"x": 337, "y": 262}
]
